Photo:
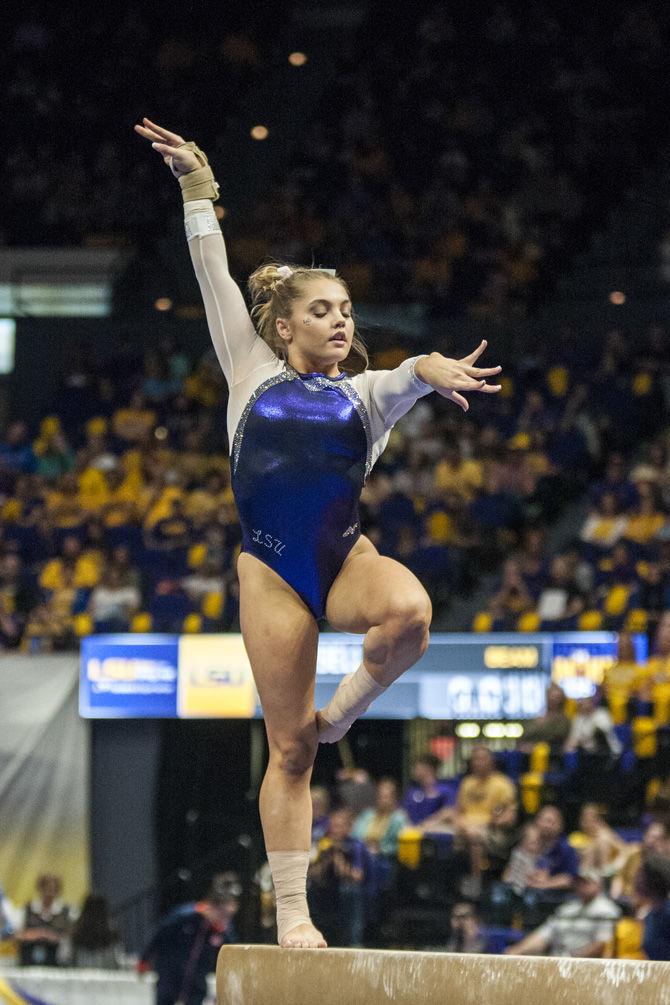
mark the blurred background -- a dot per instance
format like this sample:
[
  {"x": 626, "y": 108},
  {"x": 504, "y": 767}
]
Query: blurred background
[{"x": 473, "y": 171}]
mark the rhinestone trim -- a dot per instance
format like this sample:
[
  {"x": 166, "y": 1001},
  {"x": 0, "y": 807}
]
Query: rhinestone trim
[
  {"x": 352, "y": 394},
  {"x": 419, "y": 384},
  {"x": 239, "y": 432}
]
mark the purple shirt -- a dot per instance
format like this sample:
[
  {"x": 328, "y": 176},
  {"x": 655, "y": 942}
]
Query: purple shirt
[
  {"x": 560, "y": 858},
  {"x": 420, "y": 806}
]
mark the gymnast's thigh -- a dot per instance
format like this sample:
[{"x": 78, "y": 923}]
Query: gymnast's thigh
[
  {"x": 371, "y": 588},
  {"x": 281, "y": 639}
]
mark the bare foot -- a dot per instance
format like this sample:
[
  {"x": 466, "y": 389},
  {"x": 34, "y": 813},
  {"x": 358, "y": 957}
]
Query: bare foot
[{"x": 304, "y": 937}]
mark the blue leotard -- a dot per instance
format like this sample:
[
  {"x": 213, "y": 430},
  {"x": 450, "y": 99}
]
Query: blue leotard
[{"x": 302, "y": 444}]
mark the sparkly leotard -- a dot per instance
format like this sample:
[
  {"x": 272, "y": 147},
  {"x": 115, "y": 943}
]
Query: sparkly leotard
[{"x": 302, "y": 444}]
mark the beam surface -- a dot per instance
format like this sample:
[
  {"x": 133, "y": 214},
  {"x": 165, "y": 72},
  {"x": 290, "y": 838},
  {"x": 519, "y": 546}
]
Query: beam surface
[{"x": 268, "y": 975}]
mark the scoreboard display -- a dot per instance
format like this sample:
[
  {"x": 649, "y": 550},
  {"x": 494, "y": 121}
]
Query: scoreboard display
[{"x": 461, "y": 676}]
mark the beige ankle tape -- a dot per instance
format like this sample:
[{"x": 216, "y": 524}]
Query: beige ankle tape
[
  {"x": 354, "y": 694},
  {"x": 198, "y": 184},
  {"x": 289, "y": 875}
]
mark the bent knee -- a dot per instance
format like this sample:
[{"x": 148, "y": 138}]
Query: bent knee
[
  {"x": 295, "y": 756},
  {"x": 409, "y": 617}
]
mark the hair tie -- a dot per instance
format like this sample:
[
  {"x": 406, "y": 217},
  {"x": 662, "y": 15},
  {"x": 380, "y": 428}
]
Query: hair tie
[{"x": 284, "y": 271}]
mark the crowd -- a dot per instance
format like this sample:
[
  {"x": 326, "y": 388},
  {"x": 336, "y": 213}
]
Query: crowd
[
  {"x": 484, "y": 873},
  {"x": 463, "y": 863},
  {"x": 117, "y": 512},
  {"x": 464, "y": 153},
  {"x": 457, "y": 156},
  {"x": 182, "y": 950}
]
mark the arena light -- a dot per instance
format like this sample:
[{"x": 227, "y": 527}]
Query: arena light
[
  {"x": 163, "y": 304},
  {"x": 467, "y": 731},
  {"x": 161, "y": 433},
  {"x": 7, "y": 344},
  {"x": 297, "y": 59},
  {"x": 617, "y": 297},
  {"x": 514, "y": 730},
  {"x": 260, "y": 132},
  {"x": 494, "y": 730}
]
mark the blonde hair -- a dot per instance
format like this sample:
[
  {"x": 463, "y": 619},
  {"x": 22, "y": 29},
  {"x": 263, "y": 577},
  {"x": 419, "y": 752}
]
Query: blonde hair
[{"x": 273, "y": 289}]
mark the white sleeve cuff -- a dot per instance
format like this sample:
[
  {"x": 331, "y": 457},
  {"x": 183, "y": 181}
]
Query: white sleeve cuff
[
  {"x": 200, "y": 219},
  {"x": 419, "y": 385}
]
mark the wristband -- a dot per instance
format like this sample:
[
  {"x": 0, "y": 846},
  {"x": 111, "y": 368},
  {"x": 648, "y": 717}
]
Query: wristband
[{"x": 200, "y": 183}]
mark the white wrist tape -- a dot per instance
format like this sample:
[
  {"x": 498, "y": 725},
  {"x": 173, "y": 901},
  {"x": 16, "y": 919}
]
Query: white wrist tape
[
  {"x": 354, "y": 694},
  {"x": 200, "y": 219},
  {"x": 289, "y": 875}
]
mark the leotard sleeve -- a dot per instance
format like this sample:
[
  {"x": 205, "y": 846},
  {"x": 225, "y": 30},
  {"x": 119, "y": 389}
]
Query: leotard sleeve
[
  {"x": 239, "y": 348},
  {"x": 387, "y": 396}
]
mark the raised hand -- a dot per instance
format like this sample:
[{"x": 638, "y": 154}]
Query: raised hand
[
  {"x": 167, "y": 144},
  {"x": 451, "y": 376}
]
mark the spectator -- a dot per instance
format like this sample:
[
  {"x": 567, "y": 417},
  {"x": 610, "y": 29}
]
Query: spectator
[
  {"x": 16, "y": 454},
  {"x": 624, "y": 675},
  {"x": 560, "y": 598},
  {"x": 336, "y": 883},
  {"x": 605, "y": 525},
  {"x": 94, "y": 941},
  {"x": 593, "y": 739},
  {"x": 513, "y": 598},
  {"x": 207, "y": 578},
  {"x": 320, "y": 811},
  {"x": 486, "y": 801},
  {"x": 134, "y": 423},
  {"x": 654, "y": 842},
  {"x": 111, "y": 604},
  {"x": 467, "y": 935},
  {"x": 47, "y": 923},
  {"x": 355, "y": 790},
  {"x": 379, "y": 828},
  {"x": 483, "y": 794},
  {"x": 582, "y": 927},
  {"x": 653, "y": 883},
  {"x": 424, "y": 801},
  {"x": 523, "y": 860},
  {"x": 551, "y": 728},
  {"x": 185, "y": 946},
  {"x": 10, "y": 917},
  {"x": 558, "y": 862},
  {"x": 602, "y": 850},
  {"x": 17, "y": 598}
]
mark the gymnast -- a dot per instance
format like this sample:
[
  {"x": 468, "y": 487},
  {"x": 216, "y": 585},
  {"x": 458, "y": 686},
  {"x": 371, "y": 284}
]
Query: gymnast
[{"x": 306, "y": 422}]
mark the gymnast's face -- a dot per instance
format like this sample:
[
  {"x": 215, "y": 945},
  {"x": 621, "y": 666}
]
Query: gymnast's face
[{"x": 319, "y": 332}]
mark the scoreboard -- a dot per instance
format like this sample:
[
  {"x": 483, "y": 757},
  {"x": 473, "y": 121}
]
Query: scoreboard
[{"x": 461, "y": 676}]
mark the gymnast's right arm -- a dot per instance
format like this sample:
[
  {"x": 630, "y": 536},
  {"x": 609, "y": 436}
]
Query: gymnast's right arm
[{"x": 230, "y": 325}]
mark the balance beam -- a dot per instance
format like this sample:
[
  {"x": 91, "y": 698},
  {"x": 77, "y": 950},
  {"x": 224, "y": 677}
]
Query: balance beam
[{"x": 268, "y": 975}]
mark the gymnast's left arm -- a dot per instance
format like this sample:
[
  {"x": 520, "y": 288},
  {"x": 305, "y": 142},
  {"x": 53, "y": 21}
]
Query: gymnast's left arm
[{"x": 393, "y": 392}]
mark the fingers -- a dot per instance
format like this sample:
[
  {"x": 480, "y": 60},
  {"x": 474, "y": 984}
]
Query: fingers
[
  {"x": 172, "y": 138},
  {"x": 163, "y": 149},
  {"x": 474, "y": 356},
  {"x": 476, "y": 371},
  {"x": 455, "y": 397},
  {"x": 150, "y": 131}
]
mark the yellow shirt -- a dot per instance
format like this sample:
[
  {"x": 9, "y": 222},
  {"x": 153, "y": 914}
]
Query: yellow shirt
[
  {"x": 642, "y": 528},
  {"x": 86, "y": 574},
  {"x": 93, "y": 489},
  {"x": 477, "y": 798},
  {"x": 658, "y": 669},
  {"x": 464, "y": 479}
]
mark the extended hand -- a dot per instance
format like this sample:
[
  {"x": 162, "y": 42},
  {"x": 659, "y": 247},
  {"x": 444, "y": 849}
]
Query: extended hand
[
  {"x": 167, "y": 144},
  {"x": 450, "y": 376}
]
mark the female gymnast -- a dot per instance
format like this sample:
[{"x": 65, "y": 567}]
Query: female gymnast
[{"x": 306, "y": 422}]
